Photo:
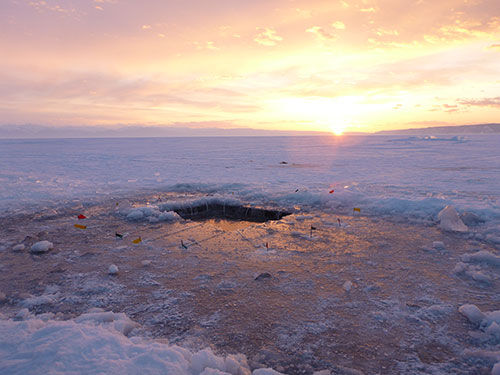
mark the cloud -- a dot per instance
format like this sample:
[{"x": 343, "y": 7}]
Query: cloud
[
  {"x": 339, "y": 25},
  {"x": 484, "y": 102},
  {"x": 321, "y": 33},
  {"x": 267, "y": 37},
  {"x": 41, "y": 5},
  {"x": 495, "y": 47}
]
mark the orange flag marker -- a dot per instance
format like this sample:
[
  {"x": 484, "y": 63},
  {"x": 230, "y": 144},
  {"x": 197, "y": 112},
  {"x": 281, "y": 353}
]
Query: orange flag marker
[
  {"x": 78, "y": 226},
  {"x": 137, "y": 240}
]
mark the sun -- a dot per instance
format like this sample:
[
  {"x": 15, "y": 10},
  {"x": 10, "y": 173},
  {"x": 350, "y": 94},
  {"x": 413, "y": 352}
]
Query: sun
[
  {"x": 337, "y": 128},
  {"x": 325, "y": 114}
]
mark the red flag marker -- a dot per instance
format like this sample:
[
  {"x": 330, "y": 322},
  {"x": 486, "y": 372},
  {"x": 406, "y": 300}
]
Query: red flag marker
[
  {"x": 331, "y": 191},
  {"x": 80, "y": 217}
]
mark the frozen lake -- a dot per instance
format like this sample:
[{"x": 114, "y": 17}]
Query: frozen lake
[{"x": 382, "y": 289}]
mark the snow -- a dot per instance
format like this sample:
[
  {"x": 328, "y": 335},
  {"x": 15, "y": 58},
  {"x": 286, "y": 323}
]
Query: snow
[
  {"x": 41, "y": 247},
  {"x": 97, "y": 342}
]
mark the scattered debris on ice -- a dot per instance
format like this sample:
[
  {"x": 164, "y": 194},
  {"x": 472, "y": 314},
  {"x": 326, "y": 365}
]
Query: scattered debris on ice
[
  {"x": 42, "y": 247},
  {"x": 450, "y": 221},
  {"x": 113, "y": 270}
]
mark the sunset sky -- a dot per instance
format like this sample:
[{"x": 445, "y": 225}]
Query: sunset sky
[{"x": 353, "y": 65}]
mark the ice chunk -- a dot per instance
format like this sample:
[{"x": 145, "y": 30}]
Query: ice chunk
[
  {"x": 135, "y": 215},
  {"x": 472, "y": 313},
  {"x": 266, "y": 371},
  {"x": 347, "y": 286},
  {"x": 42, "y": 247},
  {"x": 438, "y": 245},
  {"x": 206, "y": 358},
  {"x": 19, "y": 247},
  {"x": 113, "y": 270},
  {"x": 482, "y": 256},
  {"x": 169, "y": 216},
  {"x": 471, "y": 219},
  {"x": 496, "y": 369},
  {"x": 450, "y": 221}
]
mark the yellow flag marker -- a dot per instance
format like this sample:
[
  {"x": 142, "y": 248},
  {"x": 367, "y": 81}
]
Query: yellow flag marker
[
  {"x": 80, "y": 226},
  {"x": 137, "y": 240},
  {"x": 356, "y": 209}
]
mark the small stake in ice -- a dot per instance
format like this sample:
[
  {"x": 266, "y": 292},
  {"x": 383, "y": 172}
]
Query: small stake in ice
[
  {"x": 118, "y": 235},
  {"x": 312, "y": 228},
  {"x": 340, "y": 223},
  {"x": 267, "y": 245},
  {"x": 182, "y": 245}
]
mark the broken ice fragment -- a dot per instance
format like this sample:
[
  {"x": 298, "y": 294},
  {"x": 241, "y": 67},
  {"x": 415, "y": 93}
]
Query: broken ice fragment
[{"x": 450, "y": 221}]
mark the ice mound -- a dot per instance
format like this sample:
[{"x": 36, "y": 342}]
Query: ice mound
[
  {"x": 450, "y": 221},
  {"x": 96, "y": 343}
]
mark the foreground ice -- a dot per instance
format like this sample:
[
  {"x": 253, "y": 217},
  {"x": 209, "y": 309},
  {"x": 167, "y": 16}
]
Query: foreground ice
[{"x": 97, "y": 343}]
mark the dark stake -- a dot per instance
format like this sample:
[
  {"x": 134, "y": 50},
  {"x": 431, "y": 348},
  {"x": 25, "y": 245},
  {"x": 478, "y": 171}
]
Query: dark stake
[
  {"x": 312, "y": 228},
  {"x": 118, "y": 235}
]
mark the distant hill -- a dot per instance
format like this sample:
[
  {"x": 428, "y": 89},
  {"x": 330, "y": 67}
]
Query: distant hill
[{"x": 454, "y": 130}]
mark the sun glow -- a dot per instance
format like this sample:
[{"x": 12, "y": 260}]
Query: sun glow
[{"x": 325, "y": 114}]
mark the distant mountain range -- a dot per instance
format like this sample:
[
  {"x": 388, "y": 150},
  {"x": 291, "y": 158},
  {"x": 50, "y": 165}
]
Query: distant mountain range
[
  {"x": 137, "y": 131},
  {"x": 191, "y": 130},
  {"x": 452, "y": 130}
]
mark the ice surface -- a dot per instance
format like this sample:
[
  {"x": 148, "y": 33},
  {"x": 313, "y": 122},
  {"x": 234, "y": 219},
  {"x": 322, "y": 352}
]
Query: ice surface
[{"x": 408, "y": 178}]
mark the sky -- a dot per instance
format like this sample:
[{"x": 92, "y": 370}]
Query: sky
[{"x": 309, "y": 65}]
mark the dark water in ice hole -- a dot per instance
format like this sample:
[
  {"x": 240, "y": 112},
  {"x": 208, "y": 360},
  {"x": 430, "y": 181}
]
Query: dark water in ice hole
[{"x": 300, "y": 320}]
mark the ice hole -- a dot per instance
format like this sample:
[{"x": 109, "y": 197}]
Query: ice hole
[{"x": 229, "y": 217}]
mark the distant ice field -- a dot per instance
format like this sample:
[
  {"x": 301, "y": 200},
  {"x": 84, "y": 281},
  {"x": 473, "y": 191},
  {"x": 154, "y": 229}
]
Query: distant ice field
[{"x": 383, "y": 175}]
